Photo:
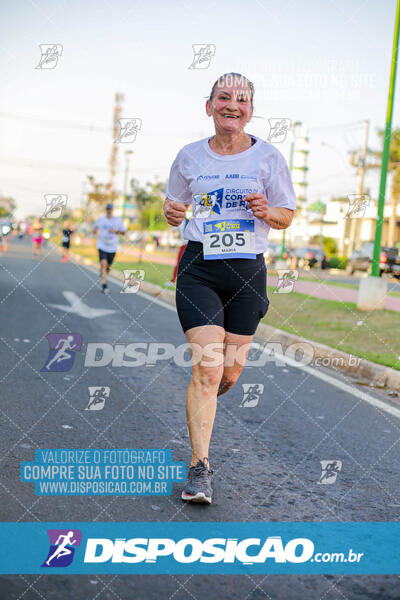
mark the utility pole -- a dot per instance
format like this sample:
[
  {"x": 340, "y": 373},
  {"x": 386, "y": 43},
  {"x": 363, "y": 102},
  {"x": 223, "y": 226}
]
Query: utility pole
[
  {"x": 283, "y": 247},
  {"x": 386, "y": 145},
  {"x": 355, "y": 222},
  {"x": 125, "y": 198},
  {"x": 114, "y": 148},
  {"x": 294, "y": 126}
]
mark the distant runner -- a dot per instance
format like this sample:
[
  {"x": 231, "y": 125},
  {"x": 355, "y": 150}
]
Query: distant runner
[
  {"x": 181, "y": 228},
  {"x": 67, "y": 232},
  {"x": 37, "y": 236},
  {"x": 108, "y": 229}
]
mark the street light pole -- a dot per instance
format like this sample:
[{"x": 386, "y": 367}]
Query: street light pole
[
  {"x": 283, "y": 247},
  {"x": 295, "y": 124},
  {"x": 386, "y": 145},
  {"x": 354, "y": 225},
  {"x": 127, "y": 153}
]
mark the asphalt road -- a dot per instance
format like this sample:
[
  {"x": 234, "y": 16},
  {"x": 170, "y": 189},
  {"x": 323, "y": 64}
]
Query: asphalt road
[{"x": 266, "y": 459}]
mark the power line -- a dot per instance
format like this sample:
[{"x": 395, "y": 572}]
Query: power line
[
  {"x": 91, "y": 128},
  {"x": 56, "y": 122},
  {"x": 340, "y": 126},
  {"x": 33, "y": 163},
  {"x": 37, "y": 164}
]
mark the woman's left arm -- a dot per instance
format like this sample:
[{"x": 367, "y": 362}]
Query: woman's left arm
[
  {"x": 276, "y": 217},
  {"x": 279, "y": 218}
]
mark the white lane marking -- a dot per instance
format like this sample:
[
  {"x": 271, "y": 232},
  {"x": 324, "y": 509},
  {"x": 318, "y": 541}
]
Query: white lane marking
[
  {"x": 77, "y": 306},
  {"x": 341, "y": 385},
  {"x": 323, "y": 376},
  {"x": 156, "y": 300}
]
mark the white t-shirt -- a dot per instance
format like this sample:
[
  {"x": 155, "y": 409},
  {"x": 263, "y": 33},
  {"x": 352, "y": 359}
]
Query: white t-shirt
[
  {"x": 108, "y": 242},
  {"x": 198, "y": 170}
]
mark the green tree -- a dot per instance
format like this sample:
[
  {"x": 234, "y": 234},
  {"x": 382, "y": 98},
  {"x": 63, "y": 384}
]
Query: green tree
[
  {"x": 374, "y": 161},
  {"x": 317, "y": 207},
  {"x": 394, "y": 168},
  {"x": 7, "y": 206},
  {"x": 149, "y": 200}
]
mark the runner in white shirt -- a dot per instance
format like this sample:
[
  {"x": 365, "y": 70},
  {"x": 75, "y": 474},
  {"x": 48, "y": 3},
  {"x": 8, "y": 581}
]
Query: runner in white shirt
[
  {"x": 108, "y": 229},
  {"x": 239, "y": 187}
]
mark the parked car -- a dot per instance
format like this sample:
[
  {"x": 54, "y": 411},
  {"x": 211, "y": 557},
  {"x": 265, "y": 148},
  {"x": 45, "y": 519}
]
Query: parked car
[
  {"x": 308, "y": 257},
  {"x": 273, "y": 253},
  {"x": 361, "y": 260}
]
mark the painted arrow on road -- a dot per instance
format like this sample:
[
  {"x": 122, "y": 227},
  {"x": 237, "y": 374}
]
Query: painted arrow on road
[{"x": 77, "y": 306}]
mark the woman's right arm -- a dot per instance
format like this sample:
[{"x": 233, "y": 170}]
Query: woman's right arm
[
  {"x": 178, "y": 188},
  {"x": 174, "y": 212}
]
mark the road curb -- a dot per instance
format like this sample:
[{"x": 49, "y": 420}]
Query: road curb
[{"x": 325, "y": 356}]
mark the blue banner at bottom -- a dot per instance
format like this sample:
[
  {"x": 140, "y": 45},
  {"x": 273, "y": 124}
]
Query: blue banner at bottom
[{"x": 207, "y": 547}]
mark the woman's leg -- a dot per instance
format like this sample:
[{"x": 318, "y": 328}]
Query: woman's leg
[
  {"x": 201, "y": 402},
  {"x": 103, "y": 269},
  {"x": 235, "y": 354}
]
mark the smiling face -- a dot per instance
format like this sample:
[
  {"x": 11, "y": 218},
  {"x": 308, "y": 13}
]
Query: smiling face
[{"x": 230, "y": 106}]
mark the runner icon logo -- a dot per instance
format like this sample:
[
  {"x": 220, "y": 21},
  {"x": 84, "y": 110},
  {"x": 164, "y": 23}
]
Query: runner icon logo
[
  {"x": 55, "y": 204},
  {"x": 50, "y": 53},
  {"x": 357, "y": 206},
  {"x": 133, "y": 277},
  {"x": 251, "y": 394},
  {"x": 62, "y": 351},
  {"x": 330, "y": 470},
  {"x": 286, "y": 281},
  {"x": 97, "y": 397},
  {"x": 278, "y": 130},
  {"x": 203, "y": 54},
  {"x": 128, "y": 130},
  {"x": 62, "y": 547}
]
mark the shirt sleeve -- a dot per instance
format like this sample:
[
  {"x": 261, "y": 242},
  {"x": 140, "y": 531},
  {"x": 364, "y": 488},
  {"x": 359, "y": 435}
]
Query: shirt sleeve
[
  {"x": 280, "y": 191},
  {"x": 177, "y": 188},
  {"x": 121, "y": 225},
  {"x": 96, "y": 224}
]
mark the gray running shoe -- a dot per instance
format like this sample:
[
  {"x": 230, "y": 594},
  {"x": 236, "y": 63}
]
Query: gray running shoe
[{"x": 198, "y": 484}]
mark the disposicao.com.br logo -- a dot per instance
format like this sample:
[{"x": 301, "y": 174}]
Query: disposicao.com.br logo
[{"x": 248, "y": 551}]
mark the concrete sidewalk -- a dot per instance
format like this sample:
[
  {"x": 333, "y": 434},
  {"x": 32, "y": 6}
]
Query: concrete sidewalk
[
  {"x": 332, "y": 292},
  {"x": 311, "y": 288}
]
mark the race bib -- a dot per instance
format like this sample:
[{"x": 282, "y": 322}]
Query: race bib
[
  {"x": 65, "y": 239},
  {"x": 229, "y": 238},
  {"x": 107, "y": 237}
]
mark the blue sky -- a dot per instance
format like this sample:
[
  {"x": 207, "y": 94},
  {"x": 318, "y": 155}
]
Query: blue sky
[{"x": 325, "y": 63}]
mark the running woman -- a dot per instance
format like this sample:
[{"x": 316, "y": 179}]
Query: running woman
[
  {"x": 37, "y": 236},
  {"x": 239, "y": 187},
  {"x": 108, "y": 229},
  {"x": 67, "y": 232}
]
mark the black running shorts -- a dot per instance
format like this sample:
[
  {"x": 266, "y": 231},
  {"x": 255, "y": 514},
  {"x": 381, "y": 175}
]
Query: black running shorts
[
  {"x": 231, "y": 293},
  {"x": 108, "y": 256}
]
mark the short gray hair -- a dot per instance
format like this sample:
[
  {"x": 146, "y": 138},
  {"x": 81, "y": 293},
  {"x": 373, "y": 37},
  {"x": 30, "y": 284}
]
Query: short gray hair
[{"x": 233, "y": 77}]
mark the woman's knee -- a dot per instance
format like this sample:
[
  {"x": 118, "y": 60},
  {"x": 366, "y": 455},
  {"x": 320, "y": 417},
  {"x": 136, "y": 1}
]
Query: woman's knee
[
  {"x": 226, "y": 383},
  {"x": 207, "y": 377}
]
